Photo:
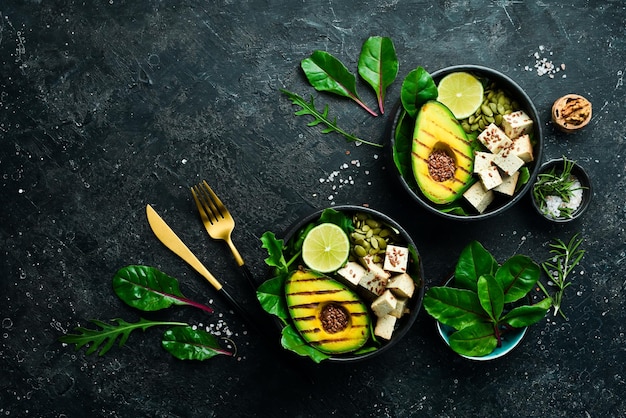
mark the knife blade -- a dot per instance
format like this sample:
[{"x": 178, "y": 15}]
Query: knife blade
[{"x": 168, "y": 237}]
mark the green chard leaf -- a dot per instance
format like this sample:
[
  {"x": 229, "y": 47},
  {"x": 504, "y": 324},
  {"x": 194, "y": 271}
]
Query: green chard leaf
[
  {"x": 491, "y": 296},
  {"x": 148, "y": 289},
  {"x": 403, "y": 148},
  {"x": 526, "y": 315},
  {"x": 186, "y": 343},
  {"x": 476, "y": 341},
  {"x": 327, "y": 73},
  {"x": 108, "y": 334},
  {"x": 457, "y": 308},
  {"x": 418, "y": 87},
  {"x": 517, "y": 276},
  {"x": 378, "y": 65},
  {"x": 338, "y": 218},
  {"x": 308, "y": 108},
  {"x": 474, "y": 262}
]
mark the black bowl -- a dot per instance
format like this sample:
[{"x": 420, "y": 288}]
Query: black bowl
[
  {"x": 501, "y": 203},
  {"x": 416, "y": 270},
  {"x": 585, "y": 182}
]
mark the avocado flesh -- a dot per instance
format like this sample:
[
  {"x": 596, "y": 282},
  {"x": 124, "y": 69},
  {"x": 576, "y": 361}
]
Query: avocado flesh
[
  {"x": 436, "y": 129},
  {"x": 311, "y": 297}
]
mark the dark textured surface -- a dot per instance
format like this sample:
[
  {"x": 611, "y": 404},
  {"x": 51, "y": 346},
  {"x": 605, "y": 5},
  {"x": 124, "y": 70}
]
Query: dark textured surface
[{"x": 109, "y": 105}]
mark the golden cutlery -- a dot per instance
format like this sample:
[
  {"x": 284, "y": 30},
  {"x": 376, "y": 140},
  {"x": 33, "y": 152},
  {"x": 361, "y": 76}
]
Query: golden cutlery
[
  {"x": 168, "y": 237},
  {"x": 218, "y": 222}
]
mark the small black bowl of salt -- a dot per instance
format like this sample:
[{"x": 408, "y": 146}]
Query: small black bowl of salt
[{"x": 562, "y": 191}]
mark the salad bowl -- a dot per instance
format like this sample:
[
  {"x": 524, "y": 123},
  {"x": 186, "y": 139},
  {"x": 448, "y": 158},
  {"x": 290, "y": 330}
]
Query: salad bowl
[{"x": 401, "y": 139}]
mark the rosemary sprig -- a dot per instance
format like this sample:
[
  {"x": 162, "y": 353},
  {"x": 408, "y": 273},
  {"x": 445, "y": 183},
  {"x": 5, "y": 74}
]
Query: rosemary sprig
[
  {"x": 308, "y": 108},
  {"x": 556, "y": 183},
  {"x": 565, "y": 256}
]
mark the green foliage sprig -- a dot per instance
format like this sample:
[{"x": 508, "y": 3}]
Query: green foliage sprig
[{"x": 565, "y": 256}]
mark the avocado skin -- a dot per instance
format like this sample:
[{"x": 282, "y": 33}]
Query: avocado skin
[
  {"x": 307, "y": 294},
  {"x": 436, "y": 128}
]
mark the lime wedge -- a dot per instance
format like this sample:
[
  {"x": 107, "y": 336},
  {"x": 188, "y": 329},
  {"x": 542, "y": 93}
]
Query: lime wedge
[
  {"x": 462, "y": 93},
  {"x": 325, "y": 248}
]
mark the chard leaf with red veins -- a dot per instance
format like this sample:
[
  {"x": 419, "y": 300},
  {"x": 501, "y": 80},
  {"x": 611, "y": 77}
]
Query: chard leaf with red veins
[{"x": 378, "y": 65}]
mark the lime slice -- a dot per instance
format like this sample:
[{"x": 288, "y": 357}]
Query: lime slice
[
  {"x": 325, "y": 248},
  {"x": 462, "y": 93}
]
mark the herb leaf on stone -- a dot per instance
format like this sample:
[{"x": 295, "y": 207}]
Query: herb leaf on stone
[
  {"x": 378, "y": 65},
  {"x": 308, "y": 108},
  {"x": 327, "y": 73},
  {"x": 148, "y": 289},
  {"x": 104, "y": 338}
]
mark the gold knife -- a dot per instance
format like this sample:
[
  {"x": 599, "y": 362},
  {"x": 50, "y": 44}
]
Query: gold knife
[{"x": 168, "y": 237}]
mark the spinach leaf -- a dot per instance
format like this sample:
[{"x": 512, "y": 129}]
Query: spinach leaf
[
  {"x": 491, "y": 296},
  {"x": 457, "y": 308},
  {"x": 526, "y": 315},
  {"x": 478, "y": 340},
  {"x": 338, "y": 218},
  {"x": 292, "y": 341},
  {"x": 403, "y": 146},
  {"x": 518, "y": 275},
  {"x": 327, "y": 73},
  {"x": 186, "y": 343},
  {"x": 473, "y": 262},
  {"x": 148, "y": 289},
  {"x": 270, "y": 295},
  {"x": 378, "y": 65},
  {"x": 418, "y": 87}
]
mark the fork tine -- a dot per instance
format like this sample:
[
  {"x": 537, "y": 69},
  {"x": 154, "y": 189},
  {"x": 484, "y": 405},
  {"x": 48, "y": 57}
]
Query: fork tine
[
  {"x": 200, "y": 206},
  {"x": 216, "y": 204}
]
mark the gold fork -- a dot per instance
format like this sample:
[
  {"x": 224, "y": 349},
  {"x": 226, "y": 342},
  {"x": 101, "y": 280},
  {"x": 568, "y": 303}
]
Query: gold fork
[{"x": 218, "y": 222}]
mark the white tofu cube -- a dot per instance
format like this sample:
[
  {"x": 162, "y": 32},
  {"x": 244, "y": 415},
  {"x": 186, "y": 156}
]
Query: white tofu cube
[
  {"x": 352, "y": 272},
  {"x": 516, "y": 124},
  {"x": 523, "y": 148},
  {"x": 385, "y": 326},
  {"x": 508, "y": 184},
  {"x": 396, "y": 259},
  {"x": 507, "y": 161},
  {"x": 490, "y": 177},
  {"x": 401, "y": 308},
  {"x": 478, "y": 196},
  {"x": 482, "y": 161},
  {"x": 384, "y": 304},
  {"x": 494, "y": 138},
  {"x": 402, "y": 285},
  {"x": 374, "y": 285}
]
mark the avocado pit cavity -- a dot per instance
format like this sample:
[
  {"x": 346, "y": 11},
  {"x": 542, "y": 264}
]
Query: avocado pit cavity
[
  {"x": 441, "y": 166},
  {"x": 334, "y": 318}
]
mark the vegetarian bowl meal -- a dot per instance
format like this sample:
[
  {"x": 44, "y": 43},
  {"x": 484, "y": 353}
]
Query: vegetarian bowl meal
[
  {"x": 562, "y": 191},
  {"x": 346, "y": 284},
  {"x": 472, "y": 149}
]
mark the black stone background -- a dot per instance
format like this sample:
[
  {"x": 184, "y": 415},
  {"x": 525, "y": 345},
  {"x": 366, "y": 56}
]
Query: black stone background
[{"x": 107, "y": 106}]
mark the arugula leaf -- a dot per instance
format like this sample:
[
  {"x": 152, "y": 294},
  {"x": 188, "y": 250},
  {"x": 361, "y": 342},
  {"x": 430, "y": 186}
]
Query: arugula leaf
[
  {"x": 274, "y": 247},
  {"x": 378, "y": 65},
  {"x": 418, "y": 87},
  {"x": 327, "y": 73},
  {"x": 308, "y": 108},
  {"x": 148, "y": 289},
  {"x": 292, "y": 341},
  {"x": 186, "y": 343},
  {"x": 108, "y": 334}
]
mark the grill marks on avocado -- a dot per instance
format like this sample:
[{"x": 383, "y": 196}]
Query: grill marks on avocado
[
  {"x": 326, "y": 313},
  {"x": 441, "y": 178}
]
